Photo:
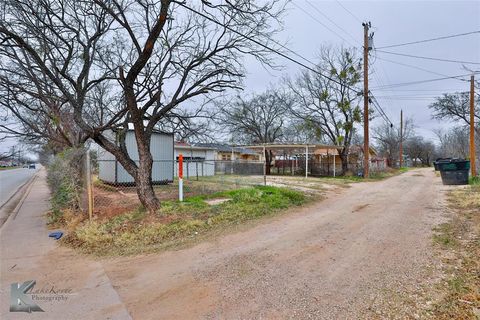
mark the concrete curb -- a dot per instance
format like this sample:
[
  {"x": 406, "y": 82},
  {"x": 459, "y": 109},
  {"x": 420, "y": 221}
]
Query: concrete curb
[{"x": 27, "y": 186}]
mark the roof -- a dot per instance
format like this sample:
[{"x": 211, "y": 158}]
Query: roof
[
  {"x": 226, "y": 148},
  {"x": 299, "y": 147},
  {"x": 359, "y": 149},
  {"x": 154, "y": 131},
  {"x": 186, "y": 146}
]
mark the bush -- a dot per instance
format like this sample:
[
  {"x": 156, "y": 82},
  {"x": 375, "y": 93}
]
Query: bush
[{"x": 66, "y": 181}]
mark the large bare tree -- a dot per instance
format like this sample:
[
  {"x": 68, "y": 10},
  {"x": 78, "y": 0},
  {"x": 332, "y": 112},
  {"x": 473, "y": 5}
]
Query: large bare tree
[
  {"x": 114, "y": 63},
  {"x": 456, "y": 107},
  {"x": 330, "y": 104},
  {"x": 261, "y": 118}
]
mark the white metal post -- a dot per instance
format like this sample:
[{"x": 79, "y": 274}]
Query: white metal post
[
  {"x": 306, "y": 162},
  {"x": 180, "y": 189},
  {"x": 180, "y": 177}
]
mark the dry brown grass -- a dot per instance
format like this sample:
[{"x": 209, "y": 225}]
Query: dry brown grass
[{"x": 460, "y": 240}]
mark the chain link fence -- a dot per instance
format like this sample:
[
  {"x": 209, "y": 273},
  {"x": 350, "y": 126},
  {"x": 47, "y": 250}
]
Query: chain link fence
[{"x": 113, "y": 190}]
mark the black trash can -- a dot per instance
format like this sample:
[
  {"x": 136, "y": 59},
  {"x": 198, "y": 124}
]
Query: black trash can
[{"x": 454, "y": 171}]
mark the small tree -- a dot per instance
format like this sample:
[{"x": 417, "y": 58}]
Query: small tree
[
  {"x": 330, "y": 104},
  {"x": 388, "y": 139}
]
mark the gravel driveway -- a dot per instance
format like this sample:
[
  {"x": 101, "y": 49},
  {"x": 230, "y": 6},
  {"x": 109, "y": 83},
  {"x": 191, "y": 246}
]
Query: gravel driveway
[{"x": 338, "y": 258}]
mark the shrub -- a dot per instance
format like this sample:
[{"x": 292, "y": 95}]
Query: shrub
[{"x": 65, "y": 179}]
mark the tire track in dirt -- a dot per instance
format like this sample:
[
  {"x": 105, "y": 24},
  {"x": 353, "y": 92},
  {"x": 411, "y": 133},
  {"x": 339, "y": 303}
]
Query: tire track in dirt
[{"x": 330, "y": 260}]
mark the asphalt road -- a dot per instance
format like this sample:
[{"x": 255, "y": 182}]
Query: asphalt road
[{"x": 11, "y": 180}]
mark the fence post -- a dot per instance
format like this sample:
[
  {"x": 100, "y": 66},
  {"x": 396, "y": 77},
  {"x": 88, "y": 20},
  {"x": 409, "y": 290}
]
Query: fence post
[
  {"x": 89, "y": 185},
  {"x": 334, "y": 165},
  {"x": 180, "y": 177},
  {"x": 196, "y": 168},
  {"x": 306, "y": 161},
  {"x": 264, "y": 167}
]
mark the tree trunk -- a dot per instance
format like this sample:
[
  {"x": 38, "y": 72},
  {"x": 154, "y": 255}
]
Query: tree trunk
[
  {"x": 143, "y": 180},
  {"x": 344, "y": 158},
  {"x": 268, "y": 161},
  {"x": 145, "y": 191},
  {"x": 141, "y": 173}
]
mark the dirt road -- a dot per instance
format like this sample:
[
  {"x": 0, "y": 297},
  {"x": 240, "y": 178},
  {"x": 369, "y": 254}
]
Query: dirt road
[{"x": 339, "y": 258}]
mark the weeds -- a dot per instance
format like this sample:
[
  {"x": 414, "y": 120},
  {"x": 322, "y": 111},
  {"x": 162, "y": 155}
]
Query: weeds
[
  {"x": 460, "y": 237},
  {"x": 136, "y": 231}
]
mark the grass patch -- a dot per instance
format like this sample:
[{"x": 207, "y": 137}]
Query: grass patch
[
  {"x": 176, "y": 222},
  {"x": 474, "y": 181},
  {"x": 445, "y": 235},
  {"x": 460, "y": 240}
]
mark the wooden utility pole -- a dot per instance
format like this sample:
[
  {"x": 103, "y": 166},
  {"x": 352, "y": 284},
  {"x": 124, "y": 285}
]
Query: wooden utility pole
[
  {"x": 472, "y": 127},
  {"x": 366, "y": 147},
  {"x": 401, "y": 139}
]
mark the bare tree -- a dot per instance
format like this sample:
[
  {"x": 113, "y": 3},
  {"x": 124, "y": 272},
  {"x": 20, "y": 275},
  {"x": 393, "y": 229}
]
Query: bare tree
[
  {"x": 259, "y": 119},
  {"x": 150, "y": 56},
  {"x": 454, "y": 143},
  {"x": 419, "y": 149},
  {"x": 388, "y": 139},
  {"x": 456, "y": 107},
  {"x": 330, "y": 104}
]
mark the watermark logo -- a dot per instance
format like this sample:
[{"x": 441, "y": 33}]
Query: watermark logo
[
  {"x": 24, "y": 297},
  {"x": 20, "y": 301}
]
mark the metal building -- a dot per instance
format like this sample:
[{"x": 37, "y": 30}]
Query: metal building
[
  {"x": 161, "y": 147},
  {"x": 197, "y": 161}
]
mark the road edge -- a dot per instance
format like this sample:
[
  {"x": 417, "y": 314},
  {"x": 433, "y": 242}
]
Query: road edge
[{"x": 25, "y": 188}]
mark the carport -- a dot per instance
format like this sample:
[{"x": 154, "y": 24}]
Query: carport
[{"x": 295, "y": 148}]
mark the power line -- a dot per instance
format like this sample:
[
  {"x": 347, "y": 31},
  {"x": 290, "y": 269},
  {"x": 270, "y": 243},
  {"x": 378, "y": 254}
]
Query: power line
[
  {"x": 269, "y": 48},
  {"x": 427, "y": 58},
  {"x": 423, "y": 81},
  {"x": 412, "y": 66},
  {"x": 420, "y": 90},
  {"x": 381, "y": 82},
  {"x": 354, "y": 16},
  {"x": 333, "y": 22},
  {"x": 315, "y": 18},
  {"x": 428, "y": 40},
  {"x": 380, "y": 110}
]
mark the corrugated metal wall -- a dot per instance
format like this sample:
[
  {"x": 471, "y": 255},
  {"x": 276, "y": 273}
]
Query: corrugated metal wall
[{"x": 161, "y": 147}]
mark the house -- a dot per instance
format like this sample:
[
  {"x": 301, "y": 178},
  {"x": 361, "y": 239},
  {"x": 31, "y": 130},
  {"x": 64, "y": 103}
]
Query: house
[
  {"x": 161, "y": 148},
  {"x": 327, "y": 161},
  {"x": 197, "y": 160},
  {"x": 225, "y": 152}
]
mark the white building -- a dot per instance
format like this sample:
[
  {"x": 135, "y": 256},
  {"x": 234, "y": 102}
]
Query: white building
[
  {"x": 161, "y": 147},
  {"x": 197, "y": 161}
]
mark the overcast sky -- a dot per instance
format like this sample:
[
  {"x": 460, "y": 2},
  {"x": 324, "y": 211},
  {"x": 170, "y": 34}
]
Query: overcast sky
[{"x": 393, "y": 22}]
